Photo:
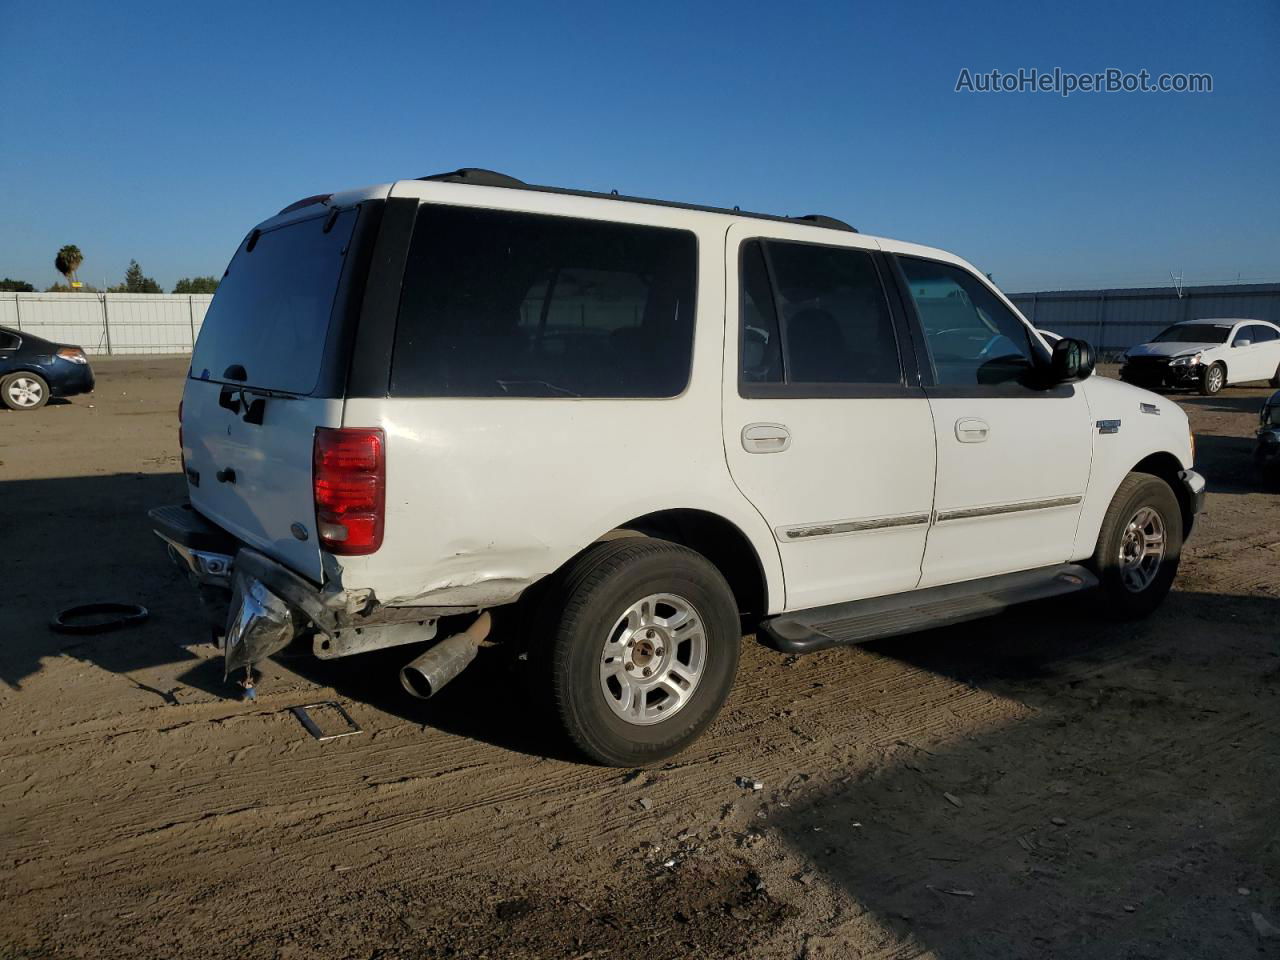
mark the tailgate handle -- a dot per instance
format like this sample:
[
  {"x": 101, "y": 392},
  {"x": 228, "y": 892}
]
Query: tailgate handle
[{"x": 226, "y": 475}]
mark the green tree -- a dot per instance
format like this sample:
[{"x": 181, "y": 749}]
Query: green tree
[
  {"x": 135, "y": 282},
  {"x": 196, "y": 285},
  {"x": 68, "y": 261},
  {"x": 16, "y": 286}
]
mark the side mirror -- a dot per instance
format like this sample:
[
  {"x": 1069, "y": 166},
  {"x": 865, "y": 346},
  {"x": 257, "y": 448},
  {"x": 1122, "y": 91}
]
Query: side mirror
[
  {"x": 1242, "y": 342},
  {"x": 1072, "y": 360}
]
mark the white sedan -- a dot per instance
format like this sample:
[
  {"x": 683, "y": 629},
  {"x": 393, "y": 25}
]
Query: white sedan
[{"x": 1207, "y": 354}]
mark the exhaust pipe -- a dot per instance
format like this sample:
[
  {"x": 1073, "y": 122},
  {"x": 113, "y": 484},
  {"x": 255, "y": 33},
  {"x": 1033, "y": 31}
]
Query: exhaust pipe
[{"x": 425, "y": 676}]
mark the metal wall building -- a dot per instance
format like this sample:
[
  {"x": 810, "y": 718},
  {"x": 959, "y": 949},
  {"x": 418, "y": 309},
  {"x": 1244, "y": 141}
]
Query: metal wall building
[{"x": 1114, "y": 320}]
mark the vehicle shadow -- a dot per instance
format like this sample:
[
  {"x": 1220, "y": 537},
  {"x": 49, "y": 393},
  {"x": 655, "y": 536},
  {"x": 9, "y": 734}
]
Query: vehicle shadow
[
  {"x": 494, "y": 700},
  {"x": 1123, "y": 811},
  {"x": 85, "y": 539},
  {"x": 51, "y": 402},
  {"x": 74, "y": 540},
  {"x": 1222, "y": 403},
  {"x": 1228, "y": 464}
]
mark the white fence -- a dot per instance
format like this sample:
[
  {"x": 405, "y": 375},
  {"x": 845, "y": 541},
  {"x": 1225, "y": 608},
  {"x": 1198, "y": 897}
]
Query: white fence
[{"x": 109, "y": 323}]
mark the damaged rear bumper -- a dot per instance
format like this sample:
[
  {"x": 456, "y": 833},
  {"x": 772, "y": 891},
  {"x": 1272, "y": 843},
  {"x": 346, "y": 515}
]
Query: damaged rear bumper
[{"x": 258, "y": 605}]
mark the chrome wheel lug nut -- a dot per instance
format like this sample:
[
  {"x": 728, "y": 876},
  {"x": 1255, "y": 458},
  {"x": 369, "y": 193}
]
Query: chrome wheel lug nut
[{"x": 647, "y": 671}]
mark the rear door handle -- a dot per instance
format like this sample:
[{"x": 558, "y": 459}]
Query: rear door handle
[
  {"x": 972, "y": 430},
  {"x": 765, "y": 438}
]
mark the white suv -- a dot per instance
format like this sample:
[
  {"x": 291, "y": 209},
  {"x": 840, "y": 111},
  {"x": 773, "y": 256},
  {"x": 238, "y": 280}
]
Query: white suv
[{"x": 644, "y": 428}]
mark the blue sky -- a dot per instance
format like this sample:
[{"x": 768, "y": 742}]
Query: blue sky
[{"x": 163, "y": 132}]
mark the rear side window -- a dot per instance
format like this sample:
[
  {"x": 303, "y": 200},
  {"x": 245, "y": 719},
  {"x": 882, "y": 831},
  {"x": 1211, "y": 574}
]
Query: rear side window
[
  {"x": 272, "y": 309},
  {"x": 813, "y": 315},
  {"x": 973, "y": 338},
  {"x": 503, "y": 304},
  {"x": 9, "y": 341}
]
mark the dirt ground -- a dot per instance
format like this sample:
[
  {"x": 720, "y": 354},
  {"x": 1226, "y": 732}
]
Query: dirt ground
[{"x": 1044, "y": 784}]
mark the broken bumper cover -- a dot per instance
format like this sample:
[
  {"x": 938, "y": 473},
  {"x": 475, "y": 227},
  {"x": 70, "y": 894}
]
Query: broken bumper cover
[
  {"x": 1155, "y": 373},
  {"x": 259, "y": 624},
  {"x": 258, "y": 605},
  {"x": 269, "y": 603}
]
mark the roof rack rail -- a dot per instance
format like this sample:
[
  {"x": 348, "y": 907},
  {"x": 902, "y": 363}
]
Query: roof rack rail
[
  {"x": 306, "y": 202},
  {"x": 822, "y": 220},
  {"x": 477, "y": 175},
  {"x": 481, "y": 177}
]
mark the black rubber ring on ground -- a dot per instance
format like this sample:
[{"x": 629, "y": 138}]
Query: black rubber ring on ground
[{"x": 128, "y": 614}]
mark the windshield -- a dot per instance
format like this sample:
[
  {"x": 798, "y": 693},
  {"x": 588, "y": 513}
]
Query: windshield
[
  {"x": 1194, "y": 333},
  {"x": 271, "y": 312}
]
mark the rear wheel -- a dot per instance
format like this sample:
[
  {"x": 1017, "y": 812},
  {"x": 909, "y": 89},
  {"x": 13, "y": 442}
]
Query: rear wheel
[
  {"x": 1139, "y": 546},
  {"x": 1213, "y": 379},
  {"x": 641, "y": 641},
  {"x": 24, "y": 391}
]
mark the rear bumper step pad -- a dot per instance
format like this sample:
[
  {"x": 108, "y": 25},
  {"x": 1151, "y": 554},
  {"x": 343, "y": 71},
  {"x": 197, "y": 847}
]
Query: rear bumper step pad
[{"x": 859, "y": 621}]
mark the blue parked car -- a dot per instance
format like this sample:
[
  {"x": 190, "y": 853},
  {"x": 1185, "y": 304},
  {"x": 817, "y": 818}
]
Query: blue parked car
[{"x": 33, "y": 369}]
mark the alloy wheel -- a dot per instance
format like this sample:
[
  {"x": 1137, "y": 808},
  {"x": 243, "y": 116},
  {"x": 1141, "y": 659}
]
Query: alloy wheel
[
  {"x": 26, "y": 392},
  {"x": 653, "y": 659},
  {"x": 1142, "y": 547}
]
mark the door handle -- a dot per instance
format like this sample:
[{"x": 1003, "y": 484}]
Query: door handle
[
  {"x": 765, "y": 438},
  {"x": 972, "y": 430}
]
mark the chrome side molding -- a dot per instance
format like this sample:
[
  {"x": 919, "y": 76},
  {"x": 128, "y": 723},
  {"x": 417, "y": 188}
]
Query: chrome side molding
[
  {"x": 806, "y": 531},
  {"x": 998, "y": 509}
]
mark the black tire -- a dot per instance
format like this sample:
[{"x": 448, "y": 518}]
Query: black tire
[
  {"x": 14, "y": 382},
  {"x": 1213, "y": 379},
  {"x": 1120, "y": 598},
  {"x": 579, "y": 612}
]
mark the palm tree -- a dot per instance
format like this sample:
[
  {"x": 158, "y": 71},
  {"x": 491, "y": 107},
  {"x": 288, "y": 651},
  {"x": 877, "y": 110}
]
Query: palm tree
[{"x": 68, "y": 261}]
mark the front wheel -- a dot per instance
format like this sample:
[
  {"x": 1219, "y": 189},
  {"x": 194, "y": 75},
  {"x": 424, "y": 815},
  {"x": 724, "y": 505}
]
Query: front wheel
[
  {"x": 642, "y": 648},
  {"x": 24, "y": 391},
  {"x": 1213, "y": 379},
  {"x": 1139, "y": 546}
]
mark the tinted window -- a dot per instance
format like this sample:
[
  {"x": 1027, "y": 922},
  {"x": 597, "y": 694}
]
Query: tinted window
[
  {"x": 1193, "y": 333},
  {"x": 499, "y": 304},
  {"x": 1265, "y": 334},
  {"x": 271, "y": 312},
  {"x": 829, "y": 306},
  {"x": 973, "y": 338},
  {"x": 9, "y": 341},
  {"x": 760, "y": 341}
]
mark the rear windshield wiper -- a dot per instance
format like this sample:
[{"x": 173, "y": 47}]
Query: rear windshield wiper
[{"x": 562, "y": 391}]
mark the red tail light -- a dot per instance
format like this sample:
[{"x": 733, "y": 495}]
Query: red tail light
[{"x": 349, "y": 470}]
